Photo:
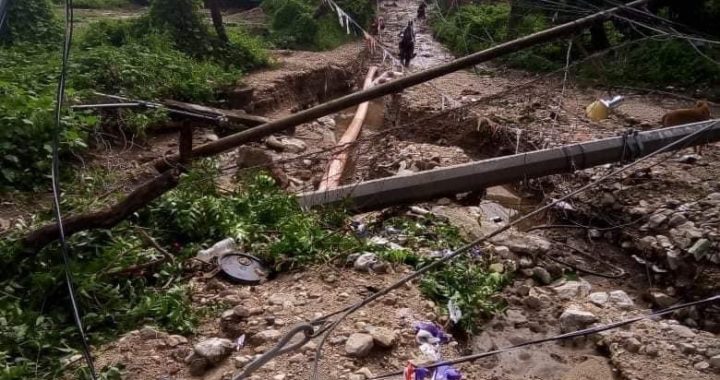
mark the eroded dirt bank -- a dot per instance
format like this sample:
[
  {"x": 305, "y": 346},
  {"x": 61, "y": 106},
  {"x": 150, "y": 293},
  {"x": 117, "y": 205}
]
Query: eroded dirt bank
[{"x": 665, "y": 258}]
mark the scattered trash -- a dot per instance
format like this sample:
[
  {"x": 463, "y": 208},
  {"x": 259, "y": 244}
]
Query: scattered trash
[
  {"x": 379, "y": 240},
  {"x": 431, "y": 336},
  {"x": 431, "y": 351},
  {"x": 689, "y": 159},
  {"x": 599, "y": 109},
  {"x": 365, "y": 262},
  {"x": 454, "y": 311},
  {"x": 219, "y": 248},
  {"x": 360, "y": 229},
  {"x": 562, "y": 205},
  {"x": 429, "y": 332},
  {"x": 240, "y": 343},
  {"x": 440, "y": 254},
  {"x": 447, "y": 373},
  {"x": 419, "y": 210},
  {"x": 242, "y": 268}
]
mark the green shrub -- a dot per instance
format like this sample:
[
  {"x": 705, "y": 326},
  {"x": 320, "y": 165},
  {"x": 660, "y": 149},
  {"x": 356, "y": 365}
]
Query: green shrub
[
  {"x": 30, "y": 21},
  {"x": 97, "y": 4},
  {"x": 477, "y": 27},
  {"x": 27, "y": 88},
  {"x": 150, "y": 69},
  {"x": 302, "y": 24},
  {"x": 473, "y": 289},
  {"x": 661, "y": 63}
]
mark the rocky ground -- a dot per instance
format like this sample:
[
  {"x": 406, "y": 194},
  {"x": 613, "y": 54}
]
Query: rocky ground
[{"x": 659, "y": 223}]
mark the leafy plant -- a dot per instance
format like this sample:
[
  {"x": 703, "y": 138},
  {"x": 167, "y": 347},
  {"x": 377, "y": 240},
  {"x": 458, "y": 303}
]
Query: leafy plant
[
  {"x": 30, "y": 21},
  {"x": 470, "y": 285}
]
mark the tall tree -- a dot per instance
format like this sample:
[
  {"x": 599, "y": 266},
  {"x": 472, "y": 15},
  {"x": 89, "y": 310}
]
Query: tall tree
[{"x": 217, "y": 19}]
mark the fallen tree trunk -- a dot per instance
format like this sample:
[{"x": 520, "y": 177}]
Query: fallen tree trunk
[
  {"x": 337, "y": 163},
  {"x": 427, "y": 185},
  {"x": 234, "y": 140},
  {"x": 107, "y": 218}
]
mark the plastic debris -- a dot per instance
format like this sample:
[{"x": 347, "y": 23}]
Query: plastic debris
[
  {"x": 440, "y": 254},
  {"x": 454, "y": 311},
  {"x": 600, "y": 109},
  {"x": 447, "y": 373},
  {"x": 428, "y": 332},
  {"x": 360, "y": 229},
  {"x": 240, "y": 343},
  {"x": 430, "y": 351},
  {"x": 220, "y": 248},
  {"x": 365, "y": 262}
]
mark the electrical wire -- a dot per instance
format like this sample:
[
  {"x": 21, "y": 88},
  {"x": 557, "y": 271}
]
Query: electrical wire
[
  {"x": 55, "y": 177},
  {"x": 467, "y": 247},
  {"x": 570, "y": 335}
]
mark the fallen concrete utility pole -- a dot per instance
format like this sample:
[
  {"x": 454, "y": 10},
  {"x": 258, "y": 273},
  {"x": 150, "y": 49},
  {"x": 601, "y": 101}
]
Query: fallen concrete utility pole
[
  {"x": 336, "y": 166},
  {"x": 456, "y": 179},
  {"x": 253, "y": 134}
]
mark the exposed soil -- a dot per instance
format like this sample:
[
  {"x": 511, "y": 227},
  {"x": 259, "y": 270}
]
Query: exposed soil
[{"x": 504, "y": 119}]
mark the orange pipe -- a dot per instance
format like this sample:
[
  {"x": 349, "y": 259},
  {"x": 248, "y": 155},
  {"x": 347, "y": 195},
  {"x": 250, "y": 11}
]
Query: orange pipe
[{"x": 336, "y": 166}]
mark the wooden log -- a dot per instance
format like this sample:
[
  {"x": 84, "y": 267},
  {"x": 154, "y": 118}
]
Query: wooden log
[
  {"x": 336, "y": 166},
  {"x": 106, "y": 218},
  {"x": 232, "y": 116}
]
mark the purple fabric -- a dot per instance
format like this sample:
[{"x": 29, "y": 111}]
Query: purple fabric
[{"x": 433, "y": 329}]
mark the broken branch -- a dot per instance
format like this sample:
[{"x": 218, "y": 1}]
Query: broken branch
[{"x": 107, "y": 218}]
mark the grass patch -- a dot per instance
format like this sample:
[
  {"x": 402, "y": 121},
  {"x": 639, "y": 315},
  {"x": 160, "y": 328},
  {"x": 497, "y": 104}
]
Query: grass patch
[
  {"x": 652, "y": 63},
  {"x": 308, "y": 25}
]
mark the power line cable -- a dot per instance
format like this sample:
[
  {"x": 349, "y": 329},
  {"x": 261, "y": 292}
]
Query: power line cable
[
  {"x": 467, "y": 247},
  {"x": 570, "y": 335},
  {"x": 55, "y": 177}
]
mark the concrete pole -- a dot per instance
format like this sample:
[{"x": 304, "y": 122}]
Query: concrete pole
[{"x": 431, "y": 184}]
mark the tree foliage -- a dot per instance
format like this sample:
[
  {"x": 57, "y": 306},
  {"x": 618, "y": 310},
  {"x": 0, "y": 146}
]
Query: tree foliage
[{"x": 30, "y": 21}]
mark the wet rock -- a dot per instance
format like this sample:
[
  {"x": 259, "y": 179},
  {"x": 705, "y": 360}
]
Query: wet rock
[
  {"x": 687, "y": 348},
  {"x": 647, "y": 243},
  {"x": 365, "y": 372},
  {"x": 650, "y": 350},
  {"x": 383, "y": 337},
  {"x": 287, "y": 144},
  {"x": 359, "y": 345},
  {"x": 267, "y": 336},
  {"x": 525, "y": 263},
  {"x": 656, "y": 220},
  {"x": 523, "y": 243},
  {"x": 676, "y": 220},
  {"x": 198, "y": 365},
  {"x": 175, "y": 340},
  {"x": 663, "y": 300},
  {"x": 682, "y": 331},
  {"x": 621, "y": 300},
  {"x": 572, "y": 289},
  {"x": 715, "y": 361},
  {"x": 599, "y": 298},
  {"x": 241, "y": 361},
  {"x": 149, "y": 332},
  {"x": 673, "y": 259},
  {"x": 701, "y": 365},
  {"x": 280, "y": 299},
  {"x": 700, "y": 248},
  {"x": 632, "y": 345},
  {"x": 241, "y": 311},
  {"x": 573, "y": 319},
  {"x": 214, "y": 350},
  {"x": 542, "y": 275}
]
